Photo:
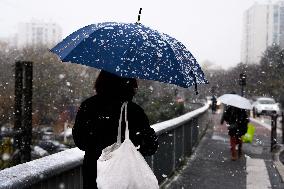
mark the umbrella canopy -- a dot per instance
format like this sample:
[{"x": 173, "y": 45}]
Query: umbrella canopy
[
  {"x": 236, "y": 101},
  {"x": 132, "y": 50}
]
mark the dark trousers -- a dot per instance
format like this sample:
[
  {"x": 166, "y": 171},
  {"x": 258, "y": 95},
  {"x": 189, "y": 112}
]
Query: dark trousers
[
  {"x": 235, "y": 140},
  {"x": 89, "y": 176}
]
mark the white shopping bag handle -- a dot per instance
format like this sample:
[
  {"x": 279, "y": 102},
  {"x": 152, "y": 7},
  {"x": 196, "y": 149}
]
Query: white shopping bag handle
[{"x": 124, "y": 106}]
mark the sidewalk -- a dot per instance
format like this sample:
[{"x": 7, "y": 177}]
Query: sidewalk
[{"x": 211, "y": 166}]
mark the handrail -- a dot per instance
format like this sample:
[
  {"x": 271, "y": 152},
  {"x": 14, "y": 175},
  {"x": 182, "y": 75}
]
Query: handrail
[
  {"x": 27, "y": 174},
  {"x": 175, "y": 122},
  {"x": 34, "y": 171}
]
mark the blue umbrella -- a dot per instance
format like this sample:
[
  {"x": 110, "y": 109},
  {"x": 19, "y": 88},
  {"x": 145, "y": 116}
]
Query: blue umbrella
[{"x": 132, "y": 50}]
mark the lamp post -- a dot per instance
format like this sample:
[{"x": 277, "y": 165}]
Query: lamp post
[{"x": 242, "y": 82}]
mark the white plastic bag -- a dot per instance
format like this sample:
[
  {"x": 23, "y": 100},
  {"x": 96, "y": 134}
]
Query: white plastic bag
[{"x": 121, "y": 166}]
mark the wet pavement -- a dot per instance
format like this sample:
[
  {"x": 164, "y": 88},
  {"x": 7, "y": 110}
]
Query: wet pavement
[{"x": 211, "y": 166}]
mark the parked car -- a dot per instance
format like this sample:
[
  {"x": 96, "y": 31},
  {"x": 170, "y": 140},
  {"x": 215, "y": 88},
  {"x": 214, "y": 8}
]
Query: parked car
[
  {"x": 6, "y": 130},
  {"x": 38, "y": 152},
  {"x": 265, "y": 106},
  {"x": 52, "y": 146},
  {"x": 47, "y": 130},
  {"x": 47, "y": 133}
]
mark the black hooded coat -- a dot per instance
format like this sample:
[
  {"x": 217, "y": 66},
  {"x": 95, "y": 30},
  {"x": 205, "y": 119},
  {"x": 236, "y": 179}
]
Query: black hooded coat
[
  {"x": 96, "y": 128},
  {"x": 237, "y": 119}
]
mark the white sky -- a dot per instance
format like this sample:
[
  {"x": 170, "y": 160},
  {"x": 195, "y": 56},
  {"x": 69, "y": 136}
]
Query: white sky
[{"x": 210, "y": 29}]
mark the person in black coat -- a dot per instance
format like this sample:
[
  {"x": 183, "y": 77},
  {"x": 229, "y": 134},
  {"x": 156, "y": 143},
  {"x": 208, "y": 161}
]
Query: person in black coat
[
  {"x": 214, "y": 104},
  {"x": 97, "y": 121},
  {"x": 237, "y": 120}
]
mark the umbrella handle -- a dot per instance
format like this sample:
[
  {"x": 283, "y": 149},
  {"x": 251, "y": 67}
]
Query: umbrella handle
[
  {"x": 195, "y": 86},
  {"x": 139, "y": 15},
  {"x": 195, "y": 83}
]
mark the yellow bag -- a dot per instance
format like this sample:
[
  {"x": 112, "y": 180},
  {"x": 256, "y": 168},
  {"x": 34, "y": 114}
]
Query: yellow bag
[{"x": 248, "y": 137}]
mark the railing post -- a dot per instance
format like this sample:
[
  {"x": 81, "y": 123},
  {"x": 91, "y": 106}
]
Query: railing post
[
  {"x": 18, "y": 111},
  {"x": 23, "y": 112},
  {"x": 27, "y": 121},
  {"x": 273, "y": 130}
]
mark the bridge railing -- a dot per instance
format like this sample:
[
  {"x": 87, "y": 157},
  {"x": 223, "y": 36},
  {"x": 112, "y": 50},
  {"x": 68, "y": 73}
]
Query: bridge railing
[{"x": 177, "y": 139}]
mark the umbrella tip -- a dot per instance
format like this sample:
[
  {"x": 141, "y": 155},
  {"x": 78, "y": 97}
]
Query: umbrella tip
[{"x": 139, "y": 15}]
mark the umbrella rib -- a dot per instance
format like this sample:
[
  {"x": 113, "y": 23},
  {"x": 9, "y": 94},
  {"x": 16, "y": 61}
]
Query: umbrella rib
[
  {"x": 75, "y": 43},
  {"x": 98, "y": 28},
  {"x": 194, "y": 78}
]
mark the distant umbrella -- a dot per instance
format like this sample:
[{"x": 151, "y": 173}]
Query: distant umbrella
[
  {"x": 236, "y": 101},
  {"x": 132, "y": 50}
]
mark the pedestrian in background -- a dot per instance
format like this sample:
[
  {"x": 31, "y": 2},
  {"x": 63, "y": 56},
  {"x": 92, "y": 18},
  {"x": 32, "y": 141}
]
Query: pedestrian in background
[
  {"x": 97, "y": 121},
  {"x": 237, "y": 120},
  {"x": 214, "y": 104}
]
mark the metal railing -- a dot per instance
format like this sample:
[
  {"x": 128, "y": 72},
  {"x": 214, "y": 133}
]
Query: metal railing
[{"x": 177, "y": 139}]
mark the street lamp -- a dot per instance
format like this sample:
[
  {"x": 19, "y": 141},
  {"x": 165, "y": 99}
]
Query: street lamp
[{"x": 242, "y": 82}]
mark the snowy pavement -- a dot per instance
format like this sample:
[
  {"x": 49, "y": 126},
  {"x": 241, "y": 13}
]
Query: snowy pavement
[{"x": 211, "y": 167}]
